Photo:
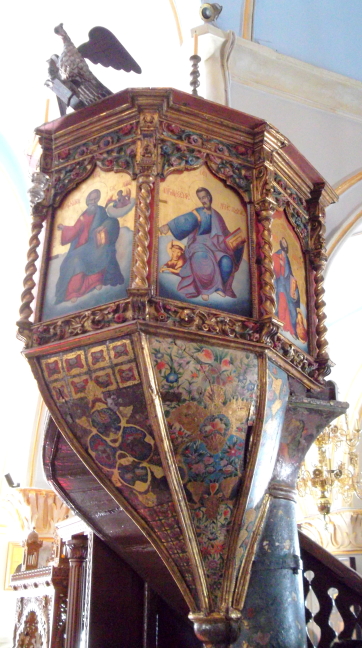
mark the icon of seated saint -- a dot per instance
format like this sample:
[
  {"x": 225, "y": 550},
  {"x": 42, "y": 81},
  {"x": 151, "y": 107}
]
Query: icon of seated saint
[{"x": 213, "y": 254}]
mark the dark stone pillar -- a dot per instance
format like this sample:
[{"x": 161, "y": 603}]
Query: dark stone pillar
[
  {"x": 274, "y": 614},
  {"x": 77, "y": 550}
]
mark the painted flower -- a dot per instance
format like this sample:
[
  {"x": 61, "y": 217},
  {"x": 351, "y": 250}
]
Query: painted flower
[
  {"x": 217, "y": 548},
  {"x": 161, "y": 365},
  {"x": 166, "y": 149},
  {"x": 212, "y": 565},
  {"x": 194, "y": 139},
  {"x": 240, "y": 149},
  {"x": 215, "y": 424},
  {"x": 225, "y": 363},
  {"x": 262, "y": 638},
  {"x": 172, "y": 377},
  {"x": 63, "y": 154},
  {"x": 206, "y": 355},
  {"x": 198, "y": 468},
  {"x": 106, "y": 141},
  {"x": 235, "y": 451},
  {"x": 174, "y": 160},
  {"x": 188, "y": 415},
  {"x": 83, "y": 150},
  {"x": 172, "y": 128},
  {"x": 228, "y": 469},
  {"x": 215, "y": 159},
  {"x": 127, "y": 128},
  {"x": 250, "y": 613},
  {"x": 104, "y": 455},
  {"x": 221, "y": 149}
]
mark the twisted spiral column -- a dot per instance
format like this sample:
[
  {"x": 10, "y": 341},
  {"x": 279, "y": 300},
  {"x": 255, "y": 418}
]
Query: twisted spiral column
[
  {"x": 318, "y": 259},
  {"x": 267, "y": 276},
  {"x": 321, "y": 329},
  {"x": 142, "y": 239},
  {"x": 27, "y": 296}
]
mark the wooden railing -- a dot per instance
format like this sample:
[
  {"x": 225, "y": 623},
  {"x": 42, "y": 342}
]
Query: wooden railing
[{"x": 333, "y": 599}]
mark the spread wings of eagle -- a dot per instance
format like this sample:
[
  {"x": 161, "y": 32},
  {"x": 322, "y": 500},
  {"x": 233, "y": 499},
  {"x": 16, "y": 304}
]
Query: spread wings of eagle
[{"x": 69, "y": 75}]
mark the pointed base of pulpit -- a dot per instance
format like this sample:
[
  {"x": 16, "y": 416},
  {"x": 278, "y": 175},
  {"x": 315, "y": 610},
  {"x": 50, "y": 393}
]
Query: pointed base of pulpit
[{"x": 216, "y": 630}]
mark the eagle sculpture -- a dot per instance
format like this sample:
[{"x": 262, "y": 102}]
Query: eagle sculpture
[{"x": 69, "y": 75}]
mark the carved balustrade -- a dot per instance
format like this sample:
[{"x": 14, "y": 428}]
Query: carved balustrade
[{"x": 333, "y": 598}]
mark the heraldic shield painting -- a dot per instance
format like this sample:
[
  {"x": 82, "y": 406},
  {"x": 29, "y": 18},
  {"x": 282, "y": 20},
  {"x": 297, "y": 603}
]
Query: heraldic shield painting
[
  {"x": 203, "y": 254},
  {"x": 290, "y": 281},
  {"x": 91, "y": 247}
]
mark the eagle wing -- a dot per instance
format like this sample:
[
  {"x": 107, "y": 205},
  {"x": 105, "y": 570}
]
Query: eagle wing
[{"x": 104, "y": 48}]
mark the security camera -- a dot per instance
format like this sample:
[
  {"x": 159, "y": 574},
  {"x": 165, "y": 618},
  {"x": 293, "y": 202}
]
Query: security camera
[
  {"x": 209, "y": 11},
  {"x": 10, "y": 481}
]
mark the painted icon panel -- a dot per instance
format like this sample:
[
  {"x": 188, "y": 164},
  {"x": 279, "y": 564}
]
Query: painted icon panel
[
  {"x": 203, "y": 253},
  {"x": 290, "y": 281},
  {"x": 91, "y": 246}
]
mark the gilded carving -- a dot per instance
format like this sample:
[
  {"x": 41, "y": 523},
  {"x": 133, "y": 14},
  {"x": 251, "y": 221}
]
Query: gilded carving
[
  {"x": 186, "y": 149},
  {"x": 142, "y": 238},
  {"x": 33, "y": 622},
  {"x": 204, "y": 320},
  {"x": 210, "y": 144},
  {"x": 105, "y": 142},
  {"x": 77, "y": 548},
  {"x": 74, "y": 325},
  {"x": 290, "y": 194},
  {"x": 148, "y": 120},
  {"x": 298, "y": 218},
  {"x": 318, "y": 259},
  {"x": 147, "y": 144},
  {"x": 265, "y": 209},
  {"x": 109, "y": 152},
  {"x": 39, "y": 214}
]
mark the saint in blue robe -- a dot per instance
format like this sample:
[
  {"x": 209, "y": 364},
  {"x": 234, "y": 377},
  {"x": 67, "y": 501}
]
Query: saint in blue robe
[
  {"x": 90, "y": 255},
  {"x": 210, "y": 264}
]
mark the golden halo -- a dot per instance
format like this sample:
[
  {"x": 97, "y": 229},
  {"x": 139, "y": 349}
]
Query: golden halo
[
  {"x": 93, "y": 186},
  {"x": 197, "y": 184}
]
